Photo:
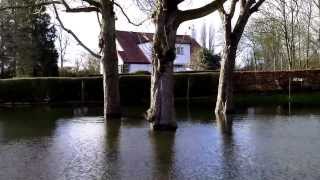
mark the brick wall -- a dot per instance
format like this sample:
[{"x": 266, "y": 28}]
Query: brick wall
[{"x": 267, "y": 81}]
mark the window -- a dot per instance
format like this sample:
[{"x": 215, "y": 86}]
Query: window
[
  {"x": 179, "y": 50},
  {"x": 124, "y": 68}
]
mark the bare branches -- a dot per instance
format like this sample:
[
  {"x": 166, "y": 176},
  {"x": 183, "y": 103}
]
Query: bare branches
[
  {"x": 256, "y": 6},
  {"x": 93, "y": 3},
  {"x": 73, "y": 34},
  {"x": 199, "y": 12},
  {"x": 83, "y": 9},
  {"x": 233, "y": 7},
  {"x": 80, "y": 9},
  {"x": 146, "y": 5},
  {"x": 94, "y": 6},
  {"x": 127, "y": 17}
]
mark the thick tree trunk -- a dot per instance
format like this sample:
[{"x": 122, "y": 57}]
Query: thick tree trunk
[
  {"x": 161, "y": 111},
  {"x": 224, "y": 102},
  {"x": 109, "y": 60},
  {"x": 2, "y": 70}
]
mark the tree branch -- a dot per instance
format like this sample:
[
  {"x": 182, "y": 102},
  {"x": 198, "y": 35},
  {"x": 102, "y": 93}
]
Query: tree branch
[
  {"x": 93, "y": 8},
  {"x": 199, "y": 12},
  {"x": 98, "y": 19},
  {"x": 233, "y": 7},
  {"x": 250, "y": 7},
  {"x": 79, "y": 9},
  {"x": 93, "y": 3},
  {"x": 255, "y": 8},
  {"x": 82, "y": 9},
  {"x": 73, "y": 34},
  {"x": 127, "y": 17}
]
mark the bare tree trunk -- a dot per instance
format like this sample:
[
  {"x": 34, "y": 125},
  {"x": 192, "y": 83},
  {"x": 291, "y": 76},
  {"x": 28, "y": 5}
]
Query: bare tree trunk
[
  {"x": 167, "y": 18},
  {"x": 161, "y": 111},
  {"x": 112, "y": 108},
  {"x": 224, "y": 102},
  {"x": 224, "y": 123},
  {"x": 2, "y": 69}
]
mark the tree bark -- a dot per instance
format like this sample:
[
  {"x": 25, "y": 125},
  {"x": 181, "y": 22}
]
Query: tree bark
[
  {"x": 224, "y": 123},
  {"x": 224, "y": 102},
  {"x": 109, "y": 59},
  {"x": 161, "y": 111},
  {"x": 167, "y": 18}
]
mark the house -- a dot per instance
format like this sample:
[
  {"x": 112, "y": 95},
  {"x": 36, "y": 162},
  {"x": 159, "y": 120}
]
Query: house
[{"x": 135, "y": 51}]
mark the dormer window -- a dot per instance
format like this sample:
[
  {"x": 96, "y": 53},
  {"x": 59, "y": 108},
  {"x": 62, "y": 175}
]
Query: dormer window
[{"x": 179, "y": 50}]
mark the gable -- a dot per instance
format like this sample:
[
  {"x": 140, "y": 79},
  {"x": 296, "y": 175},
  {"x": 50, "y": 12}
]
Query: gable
[{"x": 134, "y": 51}]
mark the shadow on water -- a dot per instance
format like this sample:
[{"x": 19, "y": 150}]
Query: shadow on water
[
  {"x": 189, "y": 111},
  {"x": 29, "y": 122},
  {"x": 163, "y": 150}
]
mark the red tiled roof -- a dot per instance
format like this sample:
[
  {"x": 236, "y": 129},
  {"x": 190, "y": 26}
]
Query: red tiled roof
[{"x": 132, "y": 54}]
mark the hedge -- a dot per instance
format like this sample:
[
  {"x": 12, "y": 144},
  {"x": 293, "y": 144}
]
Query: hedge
[{"x": 135, "y": 89}]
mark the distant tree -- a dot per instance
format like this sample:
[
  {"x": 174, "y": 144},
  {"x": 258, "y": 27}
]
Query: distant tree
[
  {"x": 107, "y": 43},
  {"x": 63, "y": 43},
  {"x": 207, "y": 37},
  {"x": 7, "y": 63},
  {"x": 28, "y": 39},
  {"x": 90, "y": 64},
  {"x": 8, "y": 40},
  {"x": 44, "y": 35},
  {"x": 205, "y": 60},
  {"x": 285, "y": 35}
]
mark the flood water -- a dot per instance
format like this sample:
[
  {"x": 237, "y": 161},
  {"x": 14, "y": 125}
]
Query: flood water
[{"x": 67, "y": 143}]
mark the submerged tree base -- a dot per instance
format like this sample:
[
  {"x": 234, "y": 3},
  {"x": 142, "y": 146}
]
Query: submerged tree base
[
  {"x": 163, "y": 127},
  {"x": 113, "y": 115}
]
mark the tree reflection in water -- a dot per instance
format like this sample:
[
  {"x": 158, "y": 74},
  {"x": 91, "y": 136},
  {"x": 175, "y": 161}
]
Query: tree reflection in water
[{"x": 163, "y": 149}]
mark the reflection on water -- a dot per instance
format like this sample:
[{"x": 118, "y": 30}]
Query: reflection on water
[
  {"x": 255, "y": 143},
  {"x": 80, "y": 111},
  {"x": 163, "y": 151}
]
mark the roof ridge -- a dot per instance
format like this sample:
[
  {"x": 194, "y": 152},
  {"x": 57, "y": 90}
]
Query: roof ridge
[{"x": 141, "y": 32}]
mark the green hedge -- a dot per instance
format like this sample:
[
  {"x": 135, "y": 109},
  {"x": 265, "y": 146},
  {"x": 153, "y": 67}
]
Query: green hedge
[
  {"x": 40, "y": 90},
  {"x": 133, "y": 88}
]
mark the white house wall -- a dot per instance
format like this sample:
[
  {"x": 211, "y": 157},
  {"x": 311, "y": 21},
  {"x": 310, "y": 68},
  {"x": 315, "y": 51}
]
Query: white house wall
[
  {"x": 118, "y": 46},
  {"x": 120, "y": 60},
  {"x": 146, "y": 48},
  {"x": 139, "y": 67},
  {"x": 184, "y": 59}
]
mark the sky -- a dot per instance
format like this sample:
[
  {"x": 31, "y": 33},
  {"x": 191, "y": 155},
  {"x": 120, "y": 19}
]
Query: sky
[{"x": 85, "y": 25}]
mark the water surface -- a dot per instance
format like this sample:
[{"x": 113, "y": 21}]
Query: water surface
[{"x": 75, "y": 143}]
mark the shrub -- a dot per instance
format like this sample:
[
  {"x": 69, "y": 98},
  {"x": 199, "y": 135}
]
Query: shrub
[{"x": 205, "y": 60}]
